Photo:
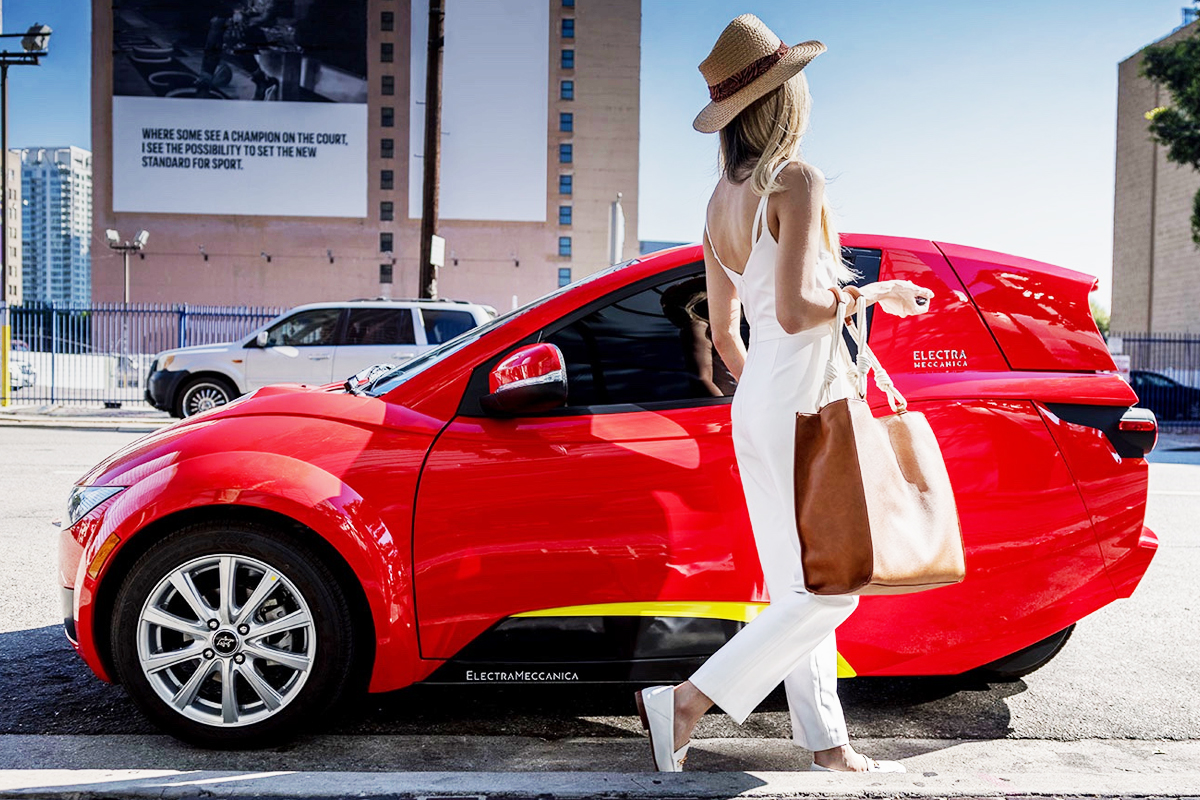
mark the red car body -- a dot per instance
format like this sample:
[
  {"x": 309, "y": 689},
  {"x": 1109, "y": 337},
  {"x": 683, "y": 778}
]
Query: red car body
[{"x": 482, "y": 547}]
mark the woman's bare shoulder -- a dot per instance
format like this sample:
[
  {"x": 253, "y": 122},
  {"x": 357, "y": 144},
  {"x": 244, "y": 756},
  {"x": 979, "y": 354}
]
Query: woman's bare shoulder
[{"x": 801, "y": 175}]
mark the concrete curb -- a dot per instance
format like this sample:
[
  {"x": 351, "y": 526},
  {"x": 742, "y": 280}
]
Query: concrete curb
[
  {"x": 527, "y": 767},
  {"x": 121, "y": 425}
]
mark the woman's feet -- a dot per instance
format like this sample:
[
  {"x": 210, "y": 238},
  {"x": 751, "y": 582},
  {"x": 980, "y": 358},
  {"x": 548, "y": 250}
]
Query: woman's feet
[
  {"x": 669, "y": 713},
  {"x": 845, "y": 759}
]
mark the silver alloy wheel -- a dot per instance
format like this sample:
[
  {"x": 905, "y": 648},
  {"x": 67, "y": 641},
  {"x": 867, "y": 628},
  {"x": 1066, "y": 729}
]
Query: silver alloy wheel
[
  {"x": 203, "y": 396},
  {"x": 226, "y": 640}
]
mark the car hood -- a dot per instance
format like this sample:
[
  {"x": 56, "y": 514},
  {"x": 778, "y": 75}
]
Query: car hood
[{"x": 218, "y": 348}]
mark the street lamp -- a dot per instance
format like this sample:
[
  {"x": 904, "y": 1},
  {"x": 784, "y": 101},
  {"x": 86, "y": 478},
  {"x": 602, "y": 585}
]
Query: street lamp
[
  {"x": 125, "y": 248},
  {"x": 33, "y": 46}
]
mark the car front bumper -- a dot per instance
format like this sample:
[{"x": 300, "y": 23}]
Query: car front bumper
[{"x": 162, "y": 387}]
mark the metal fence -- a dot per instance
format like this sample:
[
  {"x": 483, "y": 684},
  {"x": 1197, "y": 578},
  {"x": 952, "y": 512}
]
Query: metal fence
[
  {"x": 101, "y": 354},
  {"x": 1164, "y": 370}
]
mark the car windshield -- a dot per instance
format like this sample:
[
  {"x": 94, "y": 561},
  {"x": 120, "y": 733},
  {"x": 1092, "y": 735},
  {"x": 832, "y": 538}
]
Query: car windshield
[{"x": 390, "y": 380}]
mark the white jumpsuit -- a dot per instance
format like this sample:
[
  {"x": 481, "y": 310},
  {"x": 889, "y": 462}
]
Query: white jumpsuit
[{"x": 792, "y": 640}]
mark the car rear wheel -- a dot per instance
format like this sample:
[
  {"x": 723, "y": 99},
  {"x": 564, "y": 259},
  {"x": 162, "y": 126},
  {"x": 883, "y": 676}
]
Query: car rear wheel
[
  {"x": 232, "y": 635},
  {"x": 202, "y": 394},
  {"x": 1021, "y": 663}
]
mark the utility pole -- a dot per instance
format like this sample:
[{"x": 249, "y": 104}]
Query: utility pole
[{"x": 433, "y": 149}]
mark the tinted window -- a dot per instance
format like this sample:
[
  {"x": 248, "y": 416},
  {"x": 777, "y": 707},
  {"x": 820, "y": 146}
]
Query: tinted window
[
  {"x": 652, "y": 346},
  {"x": 305, "y": 328},
  {"x": 442, "y": 326},
  {"x": 380, "y": 326}
]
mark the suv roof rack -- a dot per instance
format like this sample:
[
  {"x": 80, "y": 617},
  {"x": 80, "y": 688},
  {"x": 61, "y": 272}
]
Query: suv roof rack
[{"x": 407, "y": 300}]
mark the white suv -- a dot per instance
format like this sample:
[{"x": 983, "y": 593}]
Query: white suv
[{"x": 316, "y": 344}]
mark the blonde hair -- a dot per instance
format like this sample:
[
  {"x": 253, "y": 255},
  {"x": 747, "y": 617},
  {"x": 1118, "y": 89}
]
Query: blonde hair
[{"x": 766, "y": 134}]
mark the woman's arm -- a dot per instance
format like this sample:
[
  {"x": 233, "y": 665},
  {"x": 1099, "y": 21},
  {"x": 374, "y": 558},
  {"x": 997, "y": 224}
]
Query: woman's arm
[
  {"x": 800, "y": 303},
  {"x": 724, "y": 314}
]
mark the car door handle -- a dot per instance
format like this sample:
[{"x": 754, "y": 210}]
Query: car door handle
[
  {"x": 318, "y": 358},
  {"x": 401, "y": 355}
]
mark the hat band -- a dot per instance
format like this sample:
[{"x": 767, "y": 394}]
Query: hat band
[{"x": 741, "y": 79}]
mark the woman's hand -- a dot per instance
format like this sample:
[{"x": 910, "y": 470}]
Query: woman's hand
[{"x": 901, "y": 298}]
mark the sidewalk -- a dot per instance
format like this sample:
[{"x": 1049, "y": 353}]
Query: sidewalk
[
  {"x": 130, "y": 418},
  {"x": 523, "y": 767}
]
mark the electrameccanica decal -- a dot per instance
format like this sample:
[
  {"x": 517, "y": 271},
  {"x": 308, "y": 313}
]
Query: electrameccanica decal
[{"x": 939, "y": 359}]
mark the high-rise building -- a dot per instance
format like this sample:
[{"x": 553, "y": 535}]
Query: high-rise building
[
  {"x": 57, "y": 223},
  {"x": 275, "y": 153},
  {"x": 11, "y": 208},
  {"x": 1155, "y": 262}
]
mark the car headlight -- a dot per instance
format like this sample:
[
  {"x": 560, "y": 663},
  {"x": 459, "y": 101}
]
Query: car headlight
[{"x": 84, "y": 498}]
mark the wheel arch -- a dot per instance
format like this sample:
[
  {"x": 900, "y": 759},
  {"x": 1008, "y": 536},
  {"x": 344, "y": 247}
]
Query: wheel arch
[
  {"x": 208, "y": 373},
  {"x": 349, "y": 538}
]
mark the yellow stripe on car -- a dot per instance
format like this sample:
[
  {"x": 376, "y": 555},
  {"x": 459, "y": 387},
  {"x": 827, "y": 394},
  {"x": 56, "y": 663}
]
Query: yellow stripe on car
[{"x": 736, "y": 612}]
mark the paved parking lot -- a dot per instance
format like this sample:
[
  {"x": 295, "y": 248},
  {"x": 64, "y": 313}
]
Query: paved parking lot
[{"x": 1128, "y": 673}]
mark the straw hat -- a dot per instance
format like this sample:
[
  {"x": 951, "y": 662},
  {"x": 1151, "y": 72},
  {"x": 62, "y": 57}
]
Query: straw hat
[{"x": 747, "y": 62}]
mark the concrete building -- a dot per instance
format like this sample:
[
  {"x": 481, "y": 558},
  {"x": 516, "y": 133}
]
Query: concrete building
[
  {"x": 506, "y": 237},
  {"x": 57, "y": 224},
  {"x": 11, "y": 207},
  {"x": 1156, "y": 266}
]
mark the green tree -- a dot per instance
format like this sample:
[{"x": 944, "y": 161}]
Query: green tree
[
  {"x": 1177, "y": 127},
  {"x": 1101, "y": 315}
]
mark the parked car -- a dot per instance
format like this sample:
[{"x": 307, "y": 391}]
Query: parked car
[
  {"x": 552, "y": 497},
  {"x": 312, "y": 344},
  {"x": 21, "y": 374},
  {"x": 1166, "y": 397}
]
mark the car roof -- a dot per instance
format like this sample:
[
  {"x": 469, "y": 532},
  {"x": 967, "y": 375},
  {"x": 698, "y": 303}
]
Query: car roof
[{"x": 381, "y": 302}]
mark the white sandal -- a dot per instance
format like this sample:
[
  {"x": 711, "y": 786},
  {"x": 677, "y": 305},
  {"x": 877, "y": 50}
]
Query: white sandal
[
  {"x": 656, "y": 706},
  {"x": 872, "y": 766}
]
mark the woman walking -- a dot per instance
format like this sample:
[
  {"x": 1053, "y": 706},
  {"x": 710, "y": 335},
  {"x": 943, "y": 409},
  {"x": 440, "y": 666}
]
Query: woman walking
[{"x": 769, "y": 243}]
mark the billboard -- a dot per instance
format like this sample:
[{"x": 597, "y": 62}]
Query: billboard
[{"x": 247, "y": 107}]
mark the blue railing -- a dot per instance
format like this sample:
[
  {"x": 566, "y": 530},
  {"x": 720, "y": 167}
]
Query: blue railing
[{"x": 100, "y": 354}]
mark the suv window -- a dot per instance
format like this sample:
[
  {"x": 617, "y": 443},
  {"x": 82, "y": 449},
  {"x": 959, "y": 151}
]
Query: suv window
[
  {"x": 316, "y": 326},
  {"x": 652, "y": 346},
  {"x": 442, "y": 325},
  {"x": 368, "y": 326}
]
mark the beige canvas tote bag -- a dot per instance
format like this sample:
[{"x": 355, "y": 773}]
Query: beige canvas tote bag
[{"x": 874, "y": 507}]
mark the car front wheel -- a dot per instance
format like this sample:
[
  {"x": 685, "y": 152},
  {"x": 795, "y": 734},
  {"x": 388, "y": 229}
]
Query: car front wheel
[
  {"x": 1021, "y": 663},
  {"x": 232, "y": 635},
  {"x": 203, "y": 394}
]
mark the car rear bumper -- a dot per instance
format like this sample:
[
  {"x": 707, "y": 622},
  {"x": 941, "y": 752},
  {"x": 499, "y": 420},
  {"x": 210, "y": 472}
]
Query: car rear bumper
[
  {"x": 162, "y": 387},
  {"x": 1127, "y": 572}
]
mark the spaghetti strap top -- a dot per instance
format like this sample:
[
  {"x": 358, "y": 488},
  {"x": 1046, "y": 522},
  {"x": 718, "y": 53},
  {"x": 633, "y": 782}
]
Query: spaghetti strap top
[{"x": 755, "y": 284}]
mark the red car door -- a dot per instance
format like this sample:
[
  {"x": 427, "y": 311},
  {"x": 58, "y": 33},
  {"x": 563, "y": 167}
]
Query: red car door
[{"x": 629, "y": 496}]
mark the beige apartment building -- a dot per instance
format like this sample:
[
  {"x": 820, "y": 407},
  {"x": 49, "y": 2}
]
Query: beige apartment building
[
  {"x": 14, "y": 291},
  {"x": 1156, "y": 266},
  {"x": 182, "y": 119}
]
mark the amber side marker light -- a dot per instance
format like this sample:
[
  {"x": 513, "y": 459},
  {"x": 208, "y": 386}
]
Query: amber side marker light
[{"x": 97, "y": 562}]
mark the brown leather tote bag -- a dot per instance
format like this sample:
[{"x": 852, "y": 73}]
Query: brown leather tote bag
[{"x": 874, "y": 507}]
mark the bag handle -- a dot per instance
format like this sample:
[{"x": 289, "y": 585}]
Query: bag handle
[{"x": 865, "y": 363}]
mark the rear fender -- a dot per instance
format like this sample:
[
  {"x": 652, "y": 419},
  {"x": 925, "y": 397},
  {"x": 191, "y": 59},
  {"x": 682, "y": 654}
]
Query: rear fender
[{"x": 156, "y": 503}]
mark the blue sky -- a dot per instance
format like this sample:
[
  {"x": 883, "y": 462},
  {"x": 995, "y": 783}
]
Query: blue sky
[{"x": 983, "y": 123}]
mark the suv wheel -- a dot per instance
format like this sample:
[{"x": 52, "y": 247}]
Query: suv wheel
[
  {"x": 202, "y": 394},
  {"x": 233, "y": 635}
]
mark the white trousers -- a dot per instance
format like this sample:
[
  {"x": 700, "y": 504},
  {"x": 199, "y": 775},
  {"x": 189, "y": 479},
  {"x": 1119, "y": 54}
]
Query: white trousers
[{"x": 792, "y": 640}]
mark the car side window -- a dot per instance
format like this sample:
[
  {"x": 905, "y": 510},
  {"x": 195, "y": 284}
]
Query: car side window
[
  {"x": 442, "y": 325},
  {"x": 313, "y": 327},
  {"x": 652, "y": 346},
  {"x": 380, "y": 326}
]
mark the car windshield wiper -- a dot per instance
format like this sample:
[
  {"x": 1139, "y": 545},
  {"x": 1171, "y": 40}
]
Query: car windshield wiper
[{"x": 363, "y": 380}]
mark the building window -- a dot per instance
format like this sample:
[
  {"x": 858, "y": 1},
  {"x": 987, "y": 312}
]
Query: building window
[
  {"x": 564, "y": 276},
  {"x": 568, "y": 3},
  {"x": 386, "y": 210},
  {"x": 568, "y": 29},
  {"x": 387, "y": 52},
  {"x": 385, "y": 242},
  {"x": 564, "y": 246},
  {"x": 387, "y": 116},
  {"x": 389, "y": 84},
  {"x": 565, "y": 154},
  {"x": 568, "y": 90},
  {"x": 386, "y": 178},
  {"x": 565, "y": 184},
  {"x": 385, "y": 273},
  {"x": 568, "y": 59},
  {"x": 564, "y": 215},
  {"x": 566, "y": 122},
  {"x": 387, "y": 21},
  {"x": 387, "y": 148}
]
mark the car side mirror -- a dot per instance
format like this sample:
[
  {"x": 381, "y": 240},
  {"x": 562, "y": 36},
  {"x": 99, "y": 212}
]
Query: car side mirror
[
  {"x": 261, "y": 339},
  {"x": 529, "y": 380}
]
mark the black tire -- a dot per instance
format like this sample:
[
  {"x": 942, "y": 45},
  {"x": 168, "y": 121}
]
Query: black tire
[
  {"x": 1021, "y": 663},
  {"x": 327, "y": 645},
  {"x": 200, "y": 394}
]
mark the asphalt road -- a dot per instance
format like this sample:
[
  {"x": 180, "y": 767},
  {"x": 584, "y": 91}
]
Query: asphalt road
[{"x": 1129, "y": 672}]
